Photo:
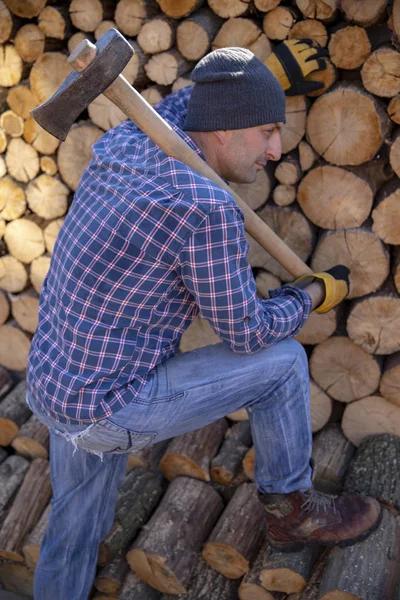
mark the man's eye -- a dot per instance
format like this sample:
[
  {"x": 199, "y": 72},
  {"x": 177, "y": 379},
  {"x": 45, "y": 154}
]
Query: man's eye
[{"x": 268, "y": 132}]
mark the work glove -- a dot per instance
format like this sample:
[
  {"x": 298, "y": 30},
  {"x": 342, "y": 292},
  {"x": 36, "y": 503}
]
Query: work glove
[
  {"x": 292, "y": 61},
  {"x": 337, "y": 286}
]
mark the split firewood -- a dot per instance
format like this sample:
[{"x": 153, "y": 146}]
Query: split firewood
[
  {"x": 166, "y": 552},
  {"x": 32, "y": 440},
  {"x": 47, "y": 74},
  {"x": 293, "y": 228},
  {"x": 284, "y": 194},
  {"x": 358, "y": 249},
  {"x": 320, "y": 407},
  {"x": 332, "y": 454},
  {"x": 14, "y": 348},
  {"x": 25, "y": 310},
  {"x": 138, "y": 496},
  {"x": 134, "y": 71},
  {"x": 248, "y": 464},
  {"x": 130, "y": 15},
  {"x": 254, "y": 194},
  {"x": 319, "y": 327},
  {"x": 347, "y": 109},
  {"x": 3, "y": 455},
  {"x": 12, "y": 123},
  {"x": 17, "y": 578},
  {"x": 6, "y": 23},
  {"x": 13, "y": 274},
  {"x": 10, "y": 66},
  {"x": 310, "y": 29},
  {"x": 369, "y": 416},
  {"x": 30, "y": 42},
  {"x": 307, "y": 156},
  {"x": 278, "y": 572},
  {"x": 349, "y": 47},
  {"x": 12, "y": 200},
  {"x": 228, "y": 9},
  {"x": 365, "y": 14},
  {"x": 334, "y": 198},
  {"x": 191, "y": 453},
  {"x": 380, "y": 73},
  {"x": 39, "y": 138},
  {"x": 278, "y": 22},
  {"x": 384, "y": 215},
  {"x": 25, "y": 9},
  {"x": 38, "y": 271},
  {"x": 265, "y": 282},
  {"x": 31, "y": 548},
  {"x": 4, "y": 314},
  {"x": 76, "y": 39},
  {"x": 393, "y": 109},
  {"x": 323, "y": 10},
  {"x": 24, "y": 240},
  {"x": 105, "y": 114},
  {"x": 154, "y": 93},
  {"x": 288, "y": 170},
  {"x": 21, "y": 100},
  {"x": 390, "y": 382},
  {"x": 31, "y": 499},
  {"x": 197, "y": 335},
  {"x": 48, "y": 165},
  {"x": 3, "y": 146},
  {"x": 238, "y": 534},
  {"x": 110, "y": 578},
  {"x": 22, "y": 160},
  {"x": 14, "y": 411},
  {"x": 76, "y": 152},
  {"x": 396, "y": 17},
  {"x": 165, "y": 67},
  {"x": 12, "y": 473},
  {"x": 86, "y": 15},
  {"x": 266, "y": 5},
  {"x": 157, "y": 35},
  {"x": 195, "y": 34},
  {"x": 54, "y": 22},
  {"x": 344, "y": 370},
  {"x": 103, "y": 28},
  {"x": 295, "y": 127},
  {"x": 244, "y": 33},
  {"x": 228, "y": 462},
  {"x": 181, "y": 82},
  {"x": 394, "y": 156},
  {"x": 47, "y": 197},
  {"x": 134, "y": 588}
]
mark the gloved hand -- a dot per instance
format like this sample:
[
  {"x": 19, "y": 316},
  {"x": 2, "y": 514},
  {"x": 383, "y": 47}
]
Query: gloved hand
[
  {"x": 337, "y": 286},
  {"x": 292, "y": 61}
]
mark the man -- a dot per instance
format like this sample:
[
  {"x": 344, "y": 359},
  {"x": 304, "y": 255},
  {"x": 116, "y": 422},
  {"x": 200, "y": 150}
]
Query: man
[{"x": 147, "y": 244}]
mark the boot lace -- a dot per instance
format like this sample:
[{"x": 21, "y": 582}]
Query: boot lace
[{"x": 314, "y": 500}]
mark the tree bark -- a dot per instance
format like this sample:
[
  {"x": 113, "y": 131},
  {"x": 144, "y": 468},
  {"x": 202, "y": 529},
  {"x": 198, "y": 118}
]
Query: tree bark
[
  {"x": 12, "y": 473},
  {"x": 31, "y": 548},
  {"x": 32, "y": 440},
  {"x": 332, "y": 454},
  {"x": 110, "y": 578},
  {"x": 134, "y": 588},
  {"x": 228, "y": 462},
  {"x": 14, "y": 411}
]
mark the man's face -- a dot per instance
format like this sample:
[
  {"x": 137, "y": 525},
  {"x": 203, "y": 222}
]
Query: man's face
[{"x": 247, "y": 151}]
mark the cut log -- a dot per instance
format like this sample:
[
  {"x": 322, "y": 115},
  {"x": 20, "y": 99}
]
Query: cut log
[
  {"x": 266, "y": 5},
  {"x": 197, "y": 335},
  {"x": 39, "y": 138},
  {"x": 307, "y": 156},
  {"x": 327, "y": 77},
  {"x": 76, "y": 39},
  {"x": 395, "y": 153},
  {"x": 22, "y": 160},
  {"x": 109, "y": 578},
  {"x": 31, "y": 548},
  {"x": 105, "y": 114},
  {"x": 4, "y": 314},
  {"x": 3, "y": 146},
  {"x": 229, "y": 8},
  {"x": 228, "y": 462},
  {"x": 181, "y": 83},
  {"x": 396, "y": 17},
  {"x": 344, "y": 370},
  {"x": 250, "y": 586},
  {"x": 13, "y": 275},
  {"x": 254, "y": 194},
  {"x": 191, "y": 453},
  {"x": 50, "y": 234},
  {"x": 195, "y": 34},
  {"x": 284, "y": 195},
  {"x": 288, "y": 170},
  {"x": 6, "y": 23},
  {"x": 373, "y": 323},
  {"x": 384, "y": 215},
  {"x": 320, "y": 407},
  {"x": 25, "y": 8},
  {"x": 12, "y": 200},
  {"x": 134, "y": 588},
  {"x": 76, "y": 152},
  {"x": 31, "y": 499},
  {"x": 21, "y": 100},
  {"x": 25, "y": 310},
  {"x": 332, "y": 454},
  {"x": 295, "y": 127},
  {"x": 310, "y": 29},
  {"x": 14, "y": 411},
  {"x": 323, "y": 10},
  {"x": 134, "y": 71},
  {"x": 138, "y": 497},
  {"x": 12, "y": 473},
  {"x": 54, "y": 22},
  {"x": 349, "y": 47},
  {"x": 390, "y": 382},
  {"x": 157, "y": 35},
  {"x": 166, "y": 552},
  {"x": 346, "y": 126},
  {"x": 370, "y": 416},
  {"x": 30, "y": 42},
  {"x": 86, "y": 15},
  {"x": 165, "y": 67},
  {"x": 130, "y": 15},
  {"x": 238, "y": 534},
  {"x": 24, "y": 240},
  {"x": 319, "y": 327},
  {"x": 47, "y": 74},
  {"x": 358, "y": 249},
  {"x": 47, "y": 197},
  {"x": 365, "y": 14},
  {"x": 244, "y": 33},
  {"x": 265, "y": 282},
  {"x": 32, "y": 440},
  {"x": 14, "y": 350},
  {"x": 155, "y": 93},
  {"x": 278, "y": 22},
  {"x": 148, "y": 458},
  {"x": 248, "y": 464},
  {"x": 12, "y": 124},
  {"x": 334, "y": 198},
  {"x": 103, "y": 28},
  {"x": 380, "y": 74},
  {"x": 48, "y": 165},
  {"x": 10, "y": 66},
  {"x": 293, "y": 228},
  {"x": 17, "y": 578},
  {"x": 38, "y": 271},
  {"x": 394, "y": 109}
]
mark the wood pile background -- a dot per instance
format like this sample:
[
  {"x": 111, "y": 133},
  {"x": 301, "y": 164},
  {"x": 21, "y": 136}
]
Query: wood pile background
[{"x": 334, "y": 198}]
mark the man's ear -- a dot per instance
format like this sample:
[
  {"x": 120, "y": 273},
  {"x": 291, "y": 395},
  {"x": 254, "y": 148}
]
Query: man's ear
[{"x": 222, "y": 136}]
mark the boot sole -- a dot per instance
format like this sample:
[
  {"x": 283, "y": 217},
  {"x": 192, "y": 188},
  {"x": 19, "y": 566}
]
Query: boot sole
[{"x": 298, "y": 546}]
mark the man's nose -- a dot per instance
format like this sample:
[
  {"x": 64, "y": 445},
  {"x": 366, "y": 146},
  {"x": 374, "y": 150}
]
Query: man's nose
[{"x": 274, "y": 150}]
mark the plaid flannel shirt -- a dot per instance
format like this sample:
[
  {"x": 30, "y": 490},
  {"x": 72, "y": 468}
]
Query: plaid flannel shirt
[{"x": 145, "y": 246}]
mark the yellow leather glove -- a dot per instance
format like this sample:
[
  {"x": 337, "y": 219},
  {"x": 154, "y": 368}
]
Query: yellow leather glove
[
  {"x": 337, "y": 286},
  {"x": 292, "y": 61}
]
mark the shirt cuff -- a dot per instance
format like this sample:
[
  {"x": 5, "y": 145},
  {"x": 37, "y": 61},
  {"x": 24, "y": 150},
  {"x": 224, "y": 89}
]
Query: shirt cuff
[{"x": 299, "y": 295}]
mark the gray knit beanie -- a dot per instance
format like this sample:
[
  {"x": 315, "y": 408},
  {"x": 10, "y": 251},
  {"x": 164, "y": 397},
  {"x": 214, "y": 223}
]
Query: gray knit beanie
[{"x": 233, "y": 90}]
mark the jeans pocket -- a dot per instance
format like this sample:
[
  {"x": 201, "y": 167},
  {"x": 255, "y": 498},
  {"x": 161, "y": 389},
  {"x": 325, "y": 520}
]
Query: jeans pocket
[{"x": 108, "y": 438}]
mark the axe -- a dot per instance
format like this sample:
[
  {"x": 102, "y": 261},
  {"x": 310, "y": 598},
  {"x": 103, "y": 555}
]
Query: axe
[{"x": 98, "y": 70}]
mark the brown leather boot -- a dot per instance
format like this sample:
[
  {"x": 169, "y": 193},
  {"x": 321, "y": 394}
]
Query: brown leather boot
[{"x": 308, "y": 518}]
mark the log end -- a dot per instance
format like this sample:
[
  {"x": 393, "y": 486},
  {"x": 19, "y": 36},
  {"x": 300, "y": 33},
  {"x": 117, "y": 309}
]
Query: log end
[
  {"x": 173, "y": 465},
  {"x": 225, "y": 560},
  {"x": 153, "y": 569},
  {"x": 282, "y": 580}
]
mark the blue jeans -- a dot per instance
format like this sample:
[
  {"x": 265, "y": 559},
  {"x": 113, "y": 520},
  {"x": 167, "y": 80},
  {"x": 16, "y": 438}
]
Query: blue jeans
[{"x": 185, "y": 393}]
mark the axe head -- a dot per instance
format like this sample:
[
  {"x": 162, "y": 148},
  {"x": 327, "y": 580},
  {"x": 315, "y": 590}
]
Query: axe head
[{"x": 80, "y": 89}]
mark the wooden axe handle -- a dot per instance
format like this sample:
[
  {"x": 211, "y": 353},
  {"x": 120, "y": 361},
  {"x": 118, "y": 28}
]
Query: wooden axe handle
[{"x": 123, "y": 95}]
